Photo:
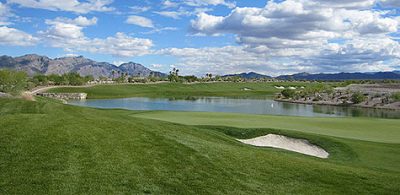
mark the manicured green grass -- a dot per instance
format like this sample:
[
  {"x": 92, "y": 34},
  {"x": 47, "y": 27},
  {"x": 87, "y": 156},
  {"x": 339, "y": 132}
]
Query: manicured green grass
[
  {"x": 178, "y": 90},
  {"x": 50, "y": 148},
  {"x": 366, "y": 129}
]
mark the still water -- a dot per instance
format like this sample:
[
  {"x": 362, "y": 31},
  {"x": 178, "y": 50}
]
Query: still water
[{"x": 248, "y": 106}]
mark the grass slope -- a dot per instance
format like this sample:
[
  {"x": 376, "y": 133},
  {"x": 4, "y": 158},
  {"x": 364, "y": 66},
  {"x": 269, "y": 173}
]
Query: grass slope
[
  {"x": 178, "y": 90},
  {"x": 47, "y": 147},
  {"x": 367, "y": 129}
]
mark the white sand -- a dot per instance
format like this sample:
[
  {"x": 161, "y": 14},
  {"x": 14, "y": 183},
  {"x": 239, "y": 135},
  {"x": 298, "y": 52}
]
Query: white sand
[{"x": 287, "y": 143}]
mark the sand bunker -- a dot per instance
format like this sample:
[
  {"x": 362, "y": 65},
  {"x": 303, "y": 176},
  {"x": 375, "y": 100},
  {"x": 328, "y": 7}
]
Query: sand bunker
[
  {"x": 246, "y": 89},
  {"x": 287, "y": 143}
]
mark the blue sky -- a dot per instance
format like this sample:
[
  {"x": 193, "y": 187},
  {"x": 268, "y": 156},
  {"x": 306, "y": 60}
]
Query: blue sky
[{"x": 216, "y": 36}]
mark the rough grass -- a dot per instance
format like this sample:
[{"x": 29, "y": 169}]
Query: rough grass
[
  {"x": 178, "y": 90},
  {"x": 50, "y": 148}
]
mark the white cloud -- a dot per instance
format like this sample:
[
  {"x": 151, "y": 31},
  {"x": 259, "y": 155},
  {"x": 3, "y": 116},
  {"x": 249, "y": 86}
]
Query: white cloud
[
  {"x": 292, "y": 23},
  {"x": 182, "y": 12},
  {"x": 390, "y": 3},
  {"x": 5, "y": 13},
  {"x": 156, "y": 67},
  {"x": 140, "y": 21},
  {"x": 295, "y": 36},
  {"x": 66, "y": 5},
  {"x": 68, "y": 34},
  {"x": 169, "y": 4},
  {"x": 69, "y": 28},
  {"x": 361, "y": 54},
  {"x": 140, "y": 9},
  {"x": 159, "y": 30},
  {"x": 229, "y": 59},
  {"x": 78, "y": 21},
  {"x": 197, "y": 3},
  {"x": 349, "y": 4},
  {"x": 119, "y": 63},
  {"x": 15, "y": 37},
  {"x": 172, "y": 14}
]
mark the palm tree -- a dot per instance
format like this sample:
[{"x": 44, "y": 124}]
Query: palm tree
[{"x": 113, "y": 73}]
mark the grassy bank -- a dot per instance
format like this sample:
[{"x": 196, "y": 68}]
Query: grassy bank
[
  {"x": 179, "y": 90},
  {"x": 51, "y": 148}
]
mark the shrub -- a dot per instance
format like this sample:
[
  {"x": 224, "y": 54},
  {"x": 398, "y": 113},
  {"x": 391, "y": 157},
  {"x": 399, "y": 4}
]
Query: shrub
[
  {"x": 288, "y": 93},
  {"x": 396, "y": 96},
  {"x": 357, "y": 97},
  {"x": 12, "y": 81}
]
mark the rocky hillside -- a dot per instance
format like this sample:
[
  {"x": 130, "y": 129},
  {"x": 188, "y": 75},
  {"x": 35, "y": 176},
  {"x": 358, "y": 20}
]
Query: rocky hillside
[{"x": 35, "y": 64}]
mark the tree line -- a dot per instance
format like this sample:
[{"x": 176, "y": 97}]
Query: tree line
[{"x": 13, "y": 82}]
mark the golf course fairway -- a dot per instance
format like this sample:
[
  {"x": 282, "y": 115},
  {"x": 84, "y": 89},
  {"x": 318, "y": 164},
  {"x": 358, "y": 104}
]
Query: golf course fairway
[
  {"x": 50, "y": 148},
  {"x": 181, "y": 90},
  {"x": 367, "y": 129}
]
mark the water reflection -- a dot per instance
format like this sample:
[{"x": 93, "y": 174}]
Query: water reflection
[{"x": 249, "y": 106}]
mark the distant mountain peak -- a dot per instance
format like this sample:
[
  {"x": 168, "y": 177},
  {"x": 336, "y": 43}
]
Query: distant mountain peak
[{"x": 35, "y": 64}]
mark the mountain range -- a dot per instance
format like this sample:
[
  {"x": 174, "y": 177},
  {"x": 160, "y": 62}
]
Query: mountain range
[
  {"x": 342, "y": 76},
  {"x": 36, "y": 64},
  {"x": 250, "y": 75},
  {"x": 395, "y": 75}
]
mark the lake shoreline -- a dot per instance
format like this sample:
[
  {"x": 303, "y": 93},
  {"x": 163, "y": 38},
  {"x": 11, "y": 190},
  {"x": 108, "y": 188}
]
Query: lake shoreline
[
  {"x": 229, "y": 105},
  {"x": 325, "y": 103}
]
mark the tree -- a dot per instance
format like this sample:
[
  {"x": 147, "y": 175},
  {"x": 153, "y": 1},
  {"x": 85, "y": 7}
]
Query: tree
[
  {"x": 12, "y": 81},
  {"x": 40, "y": 79},
  {"x": 357, "y": 97},
  {"x": 57, "y": 79},
  {"x": 288, "y": 93},
  {"x": 113, "y": 73},
  {"x": 190, "y": 79},
  {"x": 174, "y": 75},
  {"x": 75, "y": 79},
  {"x": 88, "y": 78},
  {"x": 396, "y": 96}
]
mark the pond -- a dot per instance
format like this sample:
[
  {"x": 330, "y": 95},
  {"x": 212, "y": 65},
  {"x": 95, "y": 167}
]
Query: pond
[{"x": 248, "y": 106}]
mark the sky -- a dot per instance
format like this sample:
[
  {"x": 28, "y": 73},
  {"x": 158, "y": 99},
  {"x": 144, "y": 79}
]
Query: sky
[{"x": 271, "y": 37}]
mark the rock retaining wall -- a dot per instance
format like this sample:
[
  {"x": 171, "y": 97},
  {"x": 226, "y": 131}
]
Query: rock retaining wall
[{"x": 65, "y": 96}]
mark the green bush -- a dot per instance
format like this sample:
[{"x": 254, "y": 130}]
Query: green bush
[
  {"x": 288, "y": 93},
  {"x": 12, "y": 81},
  {"x": 396, "y": 96},
  {"x": 65, "y": 79},
  {"x": 357, "y": 98}
]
